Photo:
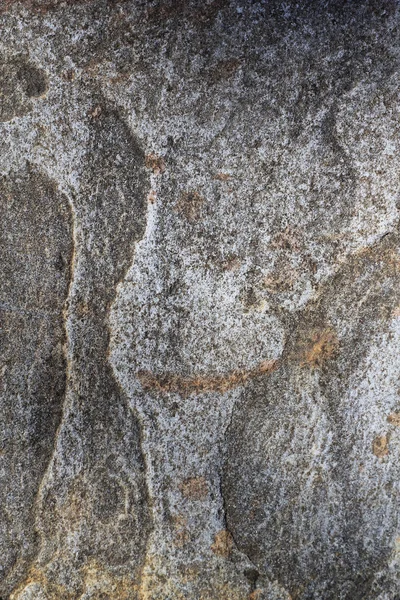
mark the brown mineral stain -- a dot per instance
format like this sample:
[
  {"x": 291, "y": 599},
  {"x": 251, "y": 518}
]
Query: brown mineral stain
[
  {"x": 394, "y": 418},
  {"x": 281, "y": 280},
  {"x": 194, "y": 488},
  {"x": 223, "y": 543},
  {"x": 155, "y": 163},
  {"x": 256, "y": 595},
  {"x": 68, "y": 75},
  {"x": 82, "y": 309},
  {"x": 190, "y": 205},
  {"x": 95, "y": 577},
  {"x": 209, "y": 11},
  {"x": 393, "y": 261},
  {"x": 222, "y": 177},
  {"x": 288, "y": 239},
  {"x": 223, "y": 591},
  {"x": 106, "y": 584},
  {"x": 232, "y": 264},
  {"x": 166, "y": 10},
  {"x": 182, "y": 536},
  {"x": 151, "y": 197},
  {"x": 155, "y": 585},
  {"x": 380, "y": 446},
  {"x": 120, "y": 78},
  {"x": 322, "y": 347},
  {"x": 178, "y": 384},
  {"x": 37, "y": 576},
  {"x": 95, "y": 112}
]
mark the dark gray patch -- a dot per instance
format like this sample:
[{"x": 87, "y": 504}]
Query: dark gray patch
[
  {"x": 20, "y": 82},
  {"x": 35, "y": 256},
  {"x": 33, "y": 80}
]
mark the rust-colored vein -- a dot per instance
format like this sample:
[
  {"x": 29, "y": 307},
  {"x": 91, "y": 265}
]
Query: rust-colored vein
[{"x": 201, "y": 384}]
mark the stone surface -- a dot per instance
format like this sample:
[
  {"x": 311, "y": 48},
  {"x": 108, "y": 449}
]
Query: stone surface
[{"x": 199, "y": 300}]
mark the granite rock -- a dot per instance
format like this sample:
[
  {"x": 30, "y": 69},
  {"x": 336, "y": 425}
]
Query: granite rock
[{"x": 199, "y": 300}]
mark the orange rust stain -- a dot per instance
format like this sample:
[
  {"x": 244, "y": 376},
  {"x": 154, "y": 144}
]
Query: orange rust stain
[
  {"x": 194, "y": 488},
  {"x": 323, "y": 346},
  {"x": 222, "y": 177},
  {"x": 223, "y": 543},
  {"x": 380, "y": 446},
  {"x": 394, "y": 418},
  {"x": 151, "y": 197},
  {"x": 178, "y": 384},
  {"x": 256, "y": 595},
  {"x": 155, "y": 163},
  {"x": 36, "y": 576}
]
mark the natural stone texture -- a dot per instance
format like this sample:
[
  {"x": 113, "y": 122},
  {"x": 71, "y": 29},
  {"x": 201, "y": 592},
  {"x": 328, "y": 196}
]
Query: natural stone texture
[
  {"x": 199, "y": 300},
  {"x": 312, "y": 472},
  {"x": 20, "y": 82},
  {"x": 35, "y": 258}
]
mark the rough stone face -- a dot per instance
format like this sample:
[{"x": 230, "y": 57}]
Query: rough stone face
[
  {"x": 35, "y": 255},
  {"x": 199, "y": 300},
  {"x": 312, "y": 472}
]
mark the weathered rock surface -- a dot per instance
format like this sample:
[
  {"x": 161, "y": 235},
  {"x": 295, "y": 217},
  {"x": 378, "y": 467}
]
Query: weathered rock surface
[{"x": 199, "y": 300}]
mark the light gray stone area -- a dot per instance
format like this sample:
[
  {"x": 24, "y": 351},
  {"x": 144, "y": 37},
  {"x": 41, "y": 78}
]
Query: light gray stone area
[{"x": 199, "y": 300}]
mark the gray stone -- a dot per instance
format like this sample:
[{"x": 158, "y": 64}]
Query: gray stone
[{"x": 199, "y": 300}]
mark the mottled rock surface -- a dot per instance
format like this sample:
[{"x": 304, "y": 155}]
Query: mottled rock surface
[{"x": 199, "y": 300}]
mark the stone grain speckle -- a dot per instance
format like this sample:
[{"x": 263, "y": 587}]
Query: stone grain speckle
[{"x": 199, "y": 300}]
